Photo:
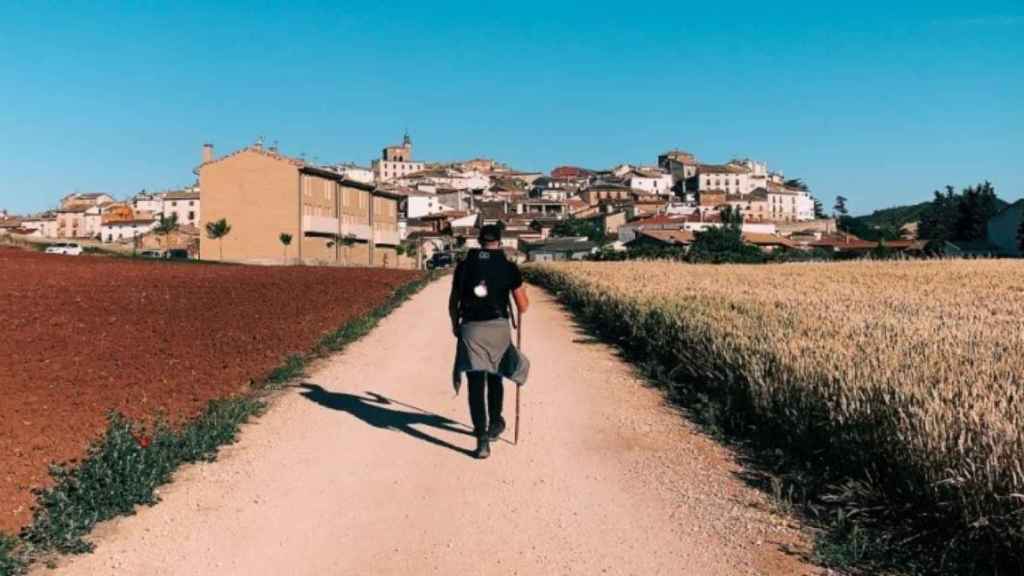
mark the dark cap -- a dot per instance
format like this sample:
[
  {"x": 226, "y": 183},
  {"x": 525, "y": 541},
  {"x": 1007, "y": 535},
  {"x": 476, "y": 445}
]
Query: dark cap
[{"x": 490, "y": 233}]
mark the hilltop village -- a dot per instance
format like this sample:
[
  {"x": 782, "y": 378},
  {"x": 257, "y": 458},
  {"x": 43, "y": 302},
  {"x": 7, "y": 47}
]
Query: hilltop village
[{"x": 400, "y": 210}]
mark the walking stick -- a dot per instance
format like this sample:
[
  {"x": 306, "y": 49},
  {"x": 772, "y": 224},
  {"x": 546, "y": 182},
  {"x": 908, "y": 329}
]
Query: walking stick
[{"x": 519, "y": 345}]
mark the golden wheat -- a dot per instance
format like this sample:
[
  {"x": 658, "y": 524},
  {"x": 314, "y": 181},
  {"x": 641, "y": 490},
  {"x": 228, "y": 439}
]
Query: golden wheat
[{"x": 911, "y": 372}]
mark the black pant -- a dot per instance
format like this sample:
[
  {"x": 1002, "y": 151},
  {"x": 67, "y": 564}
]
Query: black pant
[{"x": 495, "y": 396}]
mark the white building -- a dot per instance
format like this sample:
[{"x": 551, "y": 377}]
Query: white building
[
  {"x": 621, "y": 170},
  {"x": 146, "y": 202},
  {"x": 467, "y": 221},
  {"x": 77, "y": 200},
  {"x": 442, "y": 177},
  {"x": 790, "y": 204},
  {"x": 559, "y": 194},
  {"x": 184, "y": 204},
  {"x": 728, "y": 178},
  {"x": 38, "y": 226},
  {"x": 804, "y": 207},
  {"x": 754, "y": 167},
  {"x": 93, "y": 220},
  {"x": 355, "y": 172},
  {"x": 125, "y": 230},
  {"x": 422, "y": 204},
  {"x": 650, "y": 181},
  {"x": 47, "y": 226},
  {"x": 396, "y": 162}
]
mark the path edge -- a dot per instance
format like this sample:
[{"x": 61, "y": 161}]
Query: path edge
[{"x": 132, "y": 461}]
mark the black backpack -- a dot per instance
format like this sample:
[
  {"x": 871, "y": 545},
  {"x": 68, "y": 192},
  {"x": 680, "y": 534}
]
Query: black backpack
[{"x": 475, "y": 268}]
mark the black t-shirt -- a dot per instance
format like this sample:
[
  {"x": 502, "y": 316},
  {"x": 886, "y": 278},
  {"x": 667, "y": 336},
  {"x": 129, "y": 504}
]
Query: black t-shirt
[{"x": 485, "y": 280}]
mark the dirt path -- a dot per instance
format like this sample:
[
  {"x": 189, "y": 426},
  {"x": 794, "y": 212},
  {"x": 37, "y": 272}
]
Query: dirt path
[{"x": 365, "y": 470}]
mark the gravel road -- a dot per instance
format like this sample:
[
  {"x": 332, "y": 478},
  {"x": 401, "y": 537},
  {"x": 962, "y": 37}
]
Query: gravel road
[{"x": 365, "y": 469}]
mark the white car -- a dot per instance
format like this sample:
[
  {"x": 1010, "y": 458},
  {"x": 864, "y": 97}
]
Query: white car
[{"x": 65, "y": 248}]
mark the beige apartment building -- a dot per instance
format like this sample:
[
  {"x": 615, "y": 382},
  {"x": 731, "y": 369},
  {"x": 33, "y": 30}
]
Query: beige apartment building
[{"x": 262, "y": 193}]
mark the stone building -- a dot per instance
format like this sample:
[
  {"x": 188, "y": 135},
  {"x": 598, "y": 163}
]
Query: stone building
[{"x": 396, "y": 162}]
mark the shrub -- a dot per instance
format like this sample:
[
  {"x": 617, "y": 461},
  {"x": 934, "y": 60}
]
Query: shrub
[
  {"x": 123, "y": 469},
  {"x": 723, "y": 245},
  {"x": 293, "y": 367},
  {"x": 9, "y": 562}
]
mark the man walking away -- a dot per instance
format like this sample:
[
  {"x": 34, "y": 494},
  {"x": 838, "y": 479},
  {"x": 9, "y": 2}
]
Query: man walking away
[{"x": 480, "y": 308}]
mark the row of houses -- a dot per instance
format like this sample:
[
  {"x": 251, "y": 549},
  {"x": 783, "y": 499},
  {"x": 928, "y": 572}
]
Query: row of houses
[
  {"x": 98, "y": 216},
  {"x": 442, "y": 205},
  {"x": 364, "y": 215},
  {"x": 346, "y": 213}
]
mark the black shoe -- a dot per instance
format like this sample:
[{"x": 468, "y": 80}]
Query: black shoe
[
  {"x": 483, "y": 447},
  {"x": 497, "y": 427}
]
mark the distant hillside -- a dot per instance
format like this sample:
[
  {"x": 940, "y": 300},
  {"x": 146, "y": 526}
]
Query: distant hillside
[
  {"x": 897, "y": 216},
  {"x": 894, "y": 217}
]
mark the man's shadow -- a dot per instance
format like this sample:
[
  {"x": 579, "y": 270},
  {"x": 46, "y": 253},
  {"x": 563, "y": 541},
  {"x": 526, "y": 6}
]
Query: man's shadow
[{"x": 370, "y": 409}]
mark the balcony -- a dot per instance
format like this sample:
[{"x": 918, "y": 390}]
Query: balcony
[
  {"x": 320, "y": 224},
  {"x": 390, "y": 237},
  {"x": 357, "y": 231}
]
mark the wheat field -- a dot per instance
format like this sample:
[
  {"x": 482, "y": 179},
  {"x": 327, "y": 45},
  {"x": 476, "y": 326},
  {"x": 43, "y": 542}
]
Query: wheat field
[{"x": 906, "y": 375}]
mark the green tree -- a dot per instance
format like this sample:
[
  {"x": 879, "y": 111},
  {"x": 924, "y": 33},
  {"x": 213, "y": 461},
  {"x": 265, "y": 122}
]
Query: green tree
[
  {"x": 731, "y": 216},
  {"x": 724, "y": 243},
  {"x": 938, "y": 222},
  {"x": 217, "y": 231},
  {"x": 978, "y": 204},
  {"x": 643, "y": 252},
  {"x": 573, "y": 226},
  {"x": 819, "y": 210},
  {"x": 407, "y": 248},
  {"x": 960, "y": 217},
  {"x": 286, "y": 240},
  {"x": 798, "y": 184},
  {"x": 1020, "y": 233},
  {"x": 167, "y": 225},
  {"x": 840, "y": 209}
]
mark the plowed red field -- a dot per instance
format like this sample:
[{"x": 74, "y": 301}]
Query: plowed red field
[{"x": 81, "y": 336}]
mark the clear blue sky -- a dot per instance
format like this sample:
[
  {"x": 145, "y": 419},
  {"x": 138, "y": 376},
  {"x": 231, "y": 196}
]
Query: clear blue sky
[{"x": 877, "y": 101}]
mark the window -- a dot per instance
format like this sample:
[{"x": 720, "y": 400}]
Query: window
[
  {"x": 174, "y": 203},
  {"x": 191, "y": 216}
]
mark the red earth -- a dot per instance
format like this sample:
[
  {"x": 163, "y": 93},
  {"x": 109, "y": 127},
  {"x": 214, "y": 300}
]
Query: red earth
[{"x": 82, "y": 336}]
